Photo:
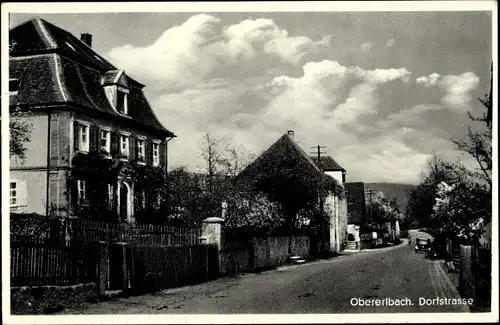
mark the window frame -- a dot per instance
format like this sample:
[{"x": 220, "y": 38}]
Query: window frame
[
  {"x": 141, "y": 152},
  {"x": 124, "y": 154},
  {"x": 82, "y": 200},
  {"x": 107, "y": 149},
  {"x": 12, "y": 80},
  {"x": 155, "y": 160},
  {"x": 83, "y": 147},
  {"x": 16, "y": 197},
  {"x": 124, "y": 102}
]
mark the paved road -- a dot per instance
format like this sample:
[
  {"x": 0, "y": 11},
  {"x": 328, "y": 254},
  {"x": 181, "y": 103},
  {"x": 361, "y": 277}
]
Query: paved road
[{"x": 319, "y": 287}]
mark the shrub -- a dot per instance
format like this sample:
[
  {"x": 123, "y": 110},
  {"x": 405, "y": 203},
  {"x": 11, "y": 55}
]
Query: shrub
[{"x": 33, "y": 225}]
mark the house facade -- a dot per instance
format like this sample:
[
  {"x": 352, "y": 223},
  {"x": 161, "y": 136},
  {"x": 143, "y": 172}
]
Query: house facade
[
  {"x": 96, "y": 145},
  {"x": 335, "y": 206}
]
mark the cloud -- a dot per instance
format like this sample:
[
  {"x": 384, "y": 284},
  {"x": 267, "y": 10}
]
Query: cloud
[
  {"x": 365, "y": 47},
  {"x": 456, "y": 87},
  {"x": 190, "y": 53},
  {"x": 251, "y": 81},
  {"x": 390, "y": 42},
  {"x": 315, "y": 104},
  {"x": 428, "y": 81}
]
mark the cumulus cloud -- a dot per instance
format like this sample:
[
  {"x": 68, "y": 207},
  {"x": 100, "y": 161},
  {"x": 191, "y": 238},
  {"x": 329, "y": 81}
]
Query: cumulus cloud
[
  {"x": 428, "y": 81},
  {"x": 456, "y": 87},
  {"x": 315, "y": 104},
  {"x": 251, "y": 81},
  {"x": 188, "y": 54},
  {"x": 390, "y": 42},
  {"x": 365, "y": 47}
]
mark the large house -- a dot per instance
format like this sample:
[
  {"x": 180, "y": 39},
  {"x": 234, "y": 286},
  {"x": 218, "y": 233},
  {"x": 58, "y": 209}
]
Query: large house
[
  {"x": 284, "y": 156},
  {"x": 96, "y": 145}
]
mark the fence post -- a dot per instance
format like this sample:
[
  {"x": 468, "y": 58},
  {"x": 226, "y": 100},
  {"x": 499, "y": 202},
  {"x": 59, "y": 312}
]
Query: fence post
[
  {"x": 466, "y": 282},
  {"x": 118, "y": 266},
  {"x": 449, "y": 249},
  {"x": 103, "y": 267}
]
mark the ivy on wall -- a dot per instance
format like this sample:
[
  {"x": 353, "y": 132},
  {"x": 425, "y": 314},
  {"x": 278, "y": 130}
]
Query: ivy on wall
[{"x": 98, "y": 172}]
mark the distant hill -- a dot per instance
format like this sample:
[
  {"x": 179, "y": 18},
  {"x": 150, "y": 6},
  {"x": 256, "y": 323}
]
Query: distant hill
[{"x": 400, "y": 191}]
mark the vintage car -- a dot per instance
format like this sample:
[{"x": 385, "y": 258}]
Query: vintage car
[{"x": 422, "y": 245}]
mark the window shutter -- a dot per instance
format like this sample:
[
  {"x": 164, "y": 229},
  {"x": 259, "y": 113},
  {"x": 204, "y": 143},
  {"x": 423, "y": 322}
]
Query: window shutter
[
  {"x": 131, "y": 147},
  {"x": 162, "y": 152},
  {"x": 114, "y": 144},
  {"x": 148, "y": 148},
  {"x": 136, "y": 154},
  {"x": 74, "y": 195},
  {"x": 76, "y": 136},
  {"x": 22, "y": 193},
  {"x": 93, "y": 141}
]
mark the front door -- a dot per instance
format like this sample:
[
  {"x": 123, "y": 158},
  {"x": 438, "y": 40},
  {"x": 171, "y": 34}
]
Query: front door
[{"x": 124, "y": 197}]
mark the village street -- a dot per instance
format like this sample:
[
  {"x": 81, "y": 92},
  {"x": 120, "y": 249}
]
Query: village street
[{"x": 318, "y": 287}]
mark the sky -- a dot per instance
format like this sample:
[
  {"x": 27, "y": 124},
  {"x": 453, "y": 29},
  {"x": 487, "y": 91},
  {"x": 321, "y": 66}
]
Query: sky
[{"x": 382, "y": 91}]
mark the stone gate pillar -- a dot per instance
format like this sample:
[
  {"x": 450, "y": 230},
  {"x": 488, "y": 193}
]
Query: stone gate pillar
[{"x": 211, "y": 231}]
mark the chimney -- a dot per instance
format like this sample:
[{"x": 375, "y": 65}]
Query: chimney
[
  {"x": 290, "y": 133},
  {"x": 86, "y": 38}
]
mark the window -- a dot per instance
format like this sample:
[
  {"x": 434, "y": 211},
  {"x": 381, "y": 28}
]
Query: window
[
  {"x": 156, "y": 153},
  {"x": 124, "y": 146},
  {"x": 110, "y": 196},
  {"x": 142, "y": 199},
  {"x": 14, "y": 194},
  {"x": 141, "y": 152},
  {"x": 121, "y": 102},
  {"x": 105, "y": 140},
  {"x": 13, "y": 85},
  {"x": 82, "y": 192},
  {"x": 83, "y": 137}
]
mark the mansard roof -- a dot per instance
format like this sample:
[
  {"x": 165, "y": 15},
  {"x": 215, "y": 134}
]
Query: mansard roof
[{"x": 56, "y": 68}]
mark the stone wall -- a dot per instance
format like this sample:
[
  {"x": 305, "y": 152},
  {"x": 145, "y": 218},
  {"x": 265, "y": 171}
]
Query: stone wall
[
  {"x": 50, "y": 299},
  {"x": 273, "y": 251}
]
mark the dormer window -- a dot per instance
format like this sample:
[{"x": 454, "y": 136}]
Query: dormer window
[
  {"x": 116, "y": 86},
  {"x": 121, "y": 102}
]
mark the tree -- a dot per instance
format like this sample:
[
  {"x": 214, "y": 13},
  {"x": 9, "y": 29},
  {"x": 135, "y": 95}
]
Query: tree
[
  {"x": 478, "y": 142},
  {"x": 287, "y": 177},
  {"x": 20, "y": 133},
  {"x": 185, "y": 194},
  {"x": 19, "y": 127},
  {"x": 421, "y": 201},
  {"x": 223, "y": 162},
  {"x": 460, "y": 210},
  {"x": 252, "y": 215},
  {"x": 382, "y": 211}
]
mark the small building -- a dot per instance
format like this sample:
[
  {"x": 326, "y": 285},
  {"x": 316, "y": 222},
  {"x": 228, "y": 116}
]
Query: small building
[
  {"x": 97, "y": 148},
  {"x": 282, "y": 158}
]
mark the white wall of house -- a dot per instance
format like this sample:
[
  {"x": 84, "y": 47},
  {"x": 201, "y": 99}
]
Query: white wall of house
[
  {"x": 337, "y": 175},
  {"x": 31, "y": 191},
  {"x": 354, "y": 230}
]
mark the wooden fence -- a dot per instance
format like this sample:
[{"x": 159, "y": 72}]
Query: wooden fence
[
  {"x": 475, "y": 274},
  {"x": 36, "y": 262},
  {"x": 91, "y": 231},
  {"x": 161, "y": 267}
]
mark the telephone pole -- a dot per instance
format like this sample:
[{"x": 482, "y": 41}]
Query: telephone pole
[
  {"x": 319, "y": 152},
  {"x": 370, "y": 200}
]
